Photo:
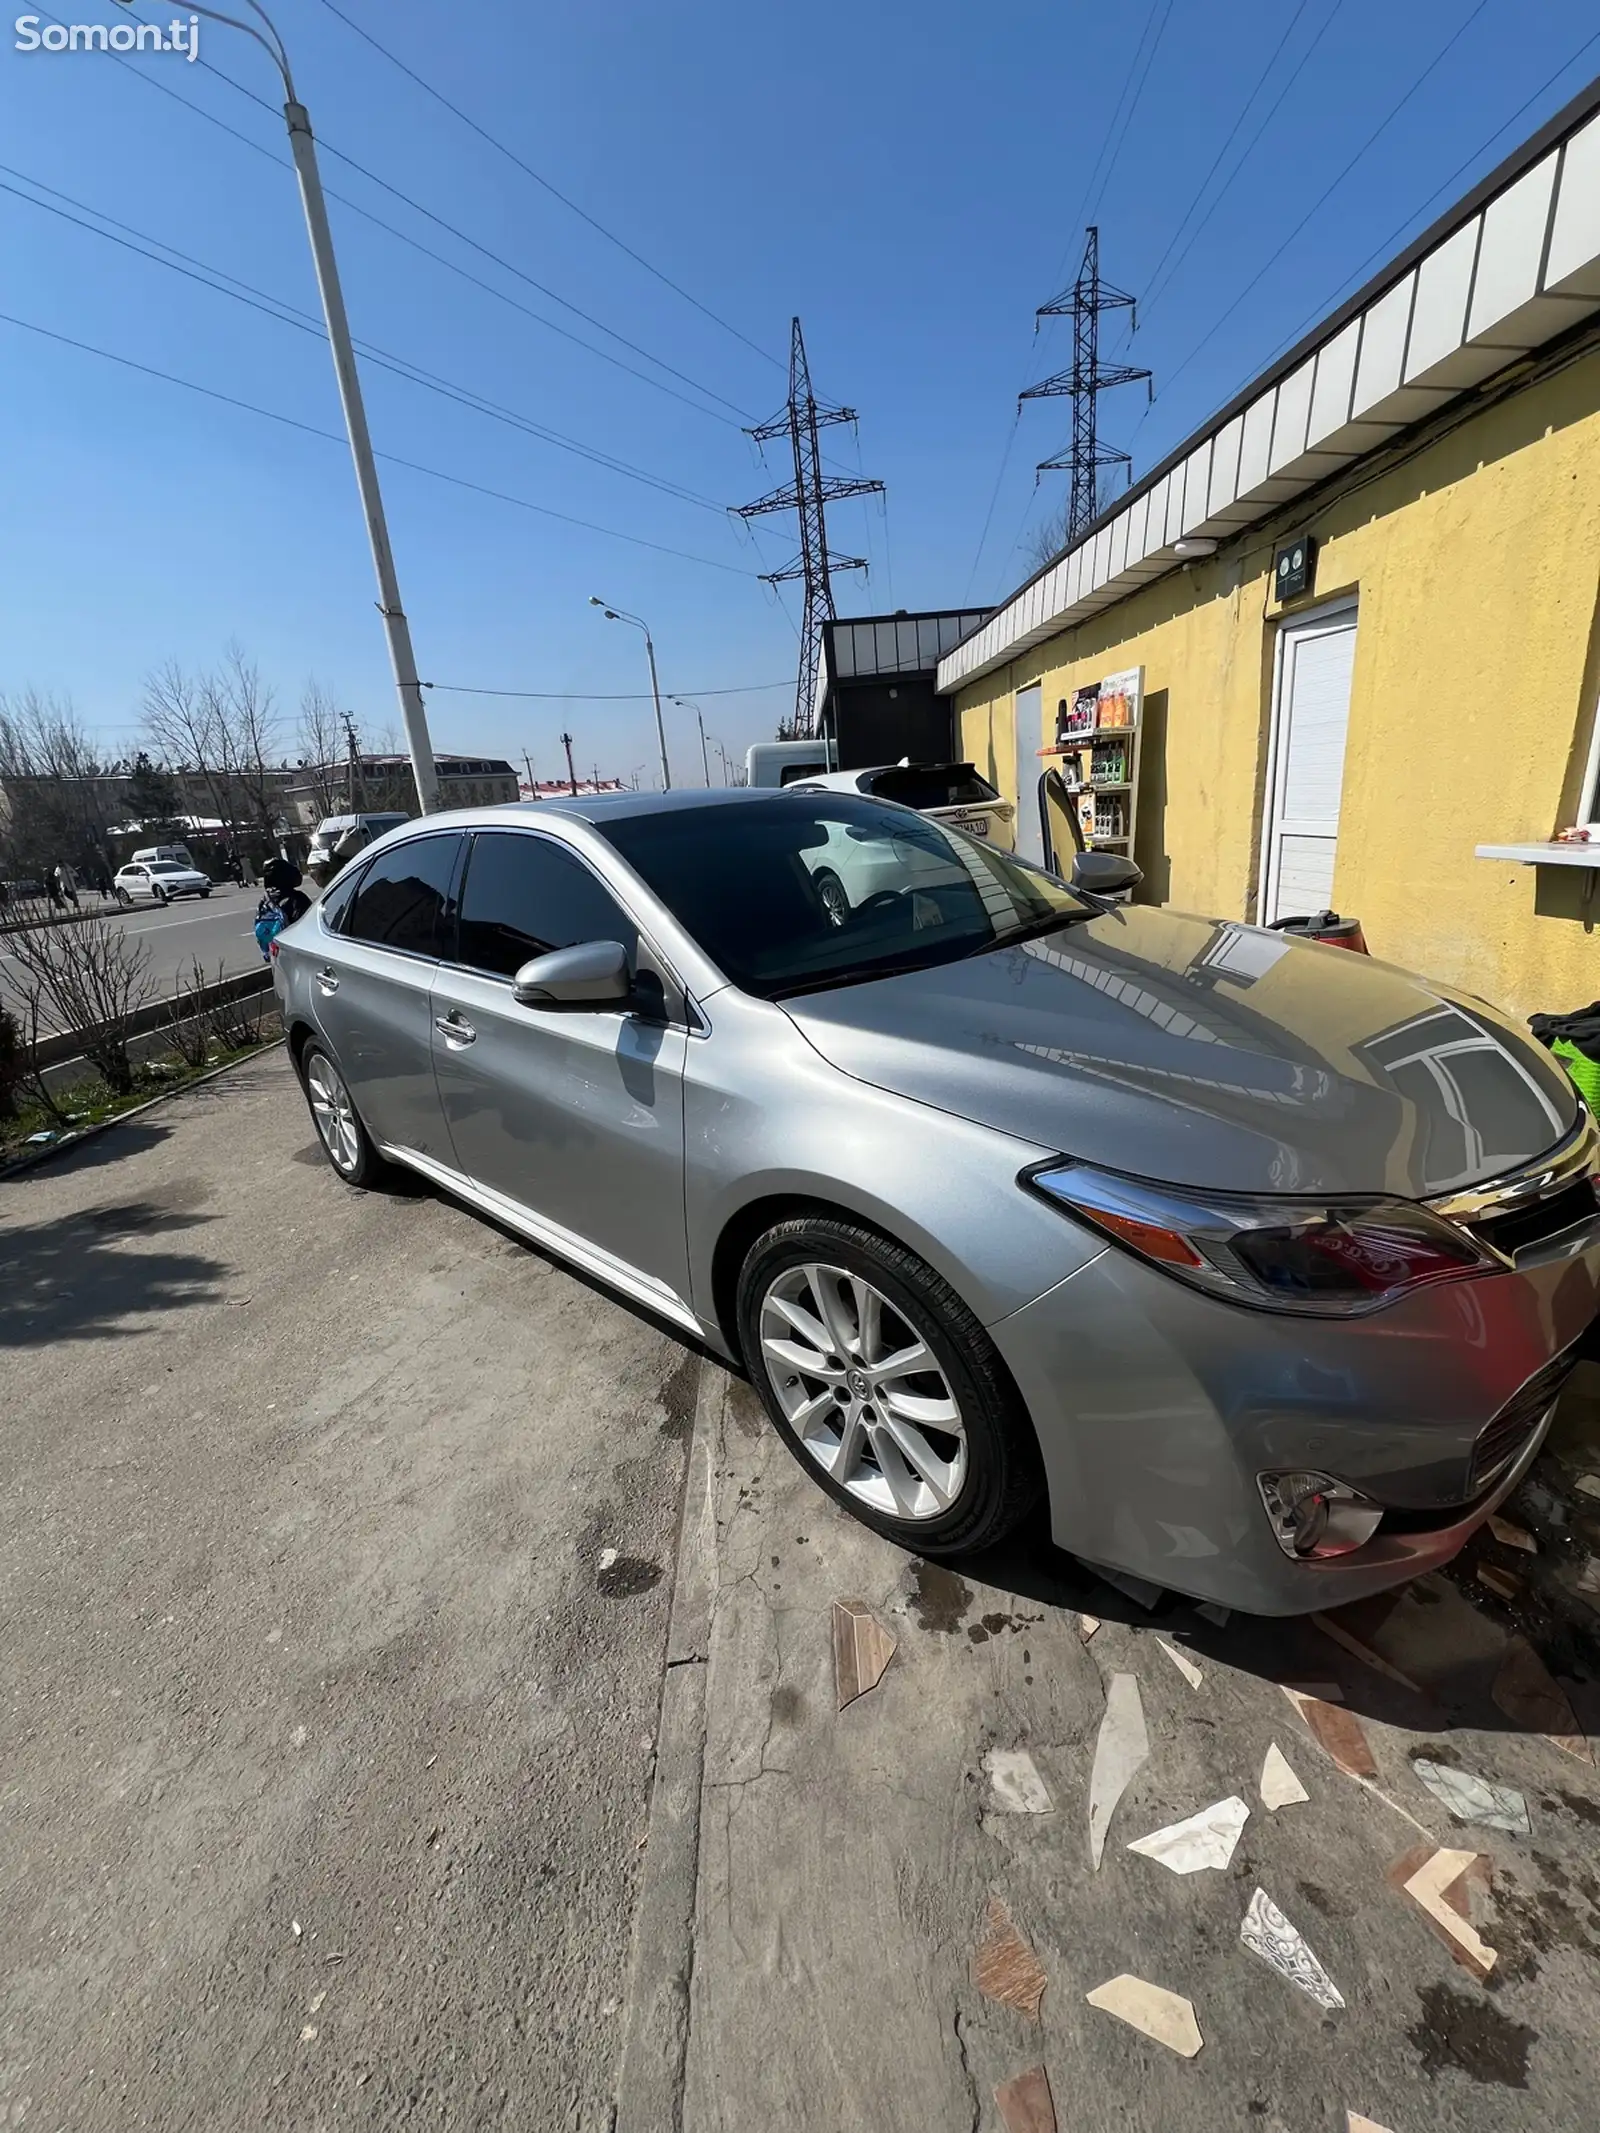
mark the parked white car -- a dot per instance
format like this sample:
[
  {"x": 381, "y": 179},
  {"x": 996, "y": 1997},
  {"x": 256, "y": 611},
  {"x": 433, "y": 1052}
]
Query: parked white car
[
  {"x": 158, "y": 881},
  {"x": 852, "y": 868}
]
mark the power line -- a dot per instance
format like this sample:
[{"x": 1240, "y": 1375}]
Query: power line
[
  {"x": 287, "y": 314},
  {"x": 461, "y": 237},
  {"x": 554, "y": 191},
  {"x": 579, "y": 696},
  {"x": 413, "y": 466},
  {"x": 1382, "y": 127},
  {"x": 147, "y": 76},
  {"x": 1126, "y": 126},
  {"x": 1154, "y": 277},
  {"x": 1443, "y": 186}
]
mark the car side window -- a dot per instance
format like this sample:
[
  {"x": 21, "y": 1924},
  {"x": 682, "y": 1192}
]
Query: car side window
[
  {"x": 403, "y": 900},
  {"x": 335, "y": 906},
  {"x": 524, "y": 896}
]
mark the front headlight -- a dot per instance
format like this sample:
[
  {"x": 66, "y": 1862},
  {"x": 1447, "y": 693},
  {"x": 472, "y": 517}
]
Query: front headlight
[{"x": 1329, "y": 1258}]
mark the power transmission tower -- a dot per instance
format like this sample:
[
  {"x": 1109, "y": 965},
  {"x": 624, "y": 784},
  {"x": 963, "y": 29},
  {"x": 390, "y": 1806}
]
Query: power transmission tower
[
  {"x": 1083, "y": 303},
  {"x": 802, "y": 418}
]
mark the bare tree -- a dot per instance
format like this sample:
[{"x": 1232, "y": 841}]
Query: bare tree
[
  {"x": 91, "y": 979},
  {"x": 1046, "y": 542},
  {"x": 321, "y": 739},
  {"x": 50, "y": 805},
  {"x": 245, "y": 718},
  {"x": 181, "y": 730}
]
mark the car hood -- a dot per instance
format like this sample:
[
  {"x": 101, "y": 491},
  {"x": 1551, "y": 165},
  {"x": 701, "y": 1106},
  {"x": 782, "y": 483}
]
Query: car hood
[{"x": 1207, "y": 1054}]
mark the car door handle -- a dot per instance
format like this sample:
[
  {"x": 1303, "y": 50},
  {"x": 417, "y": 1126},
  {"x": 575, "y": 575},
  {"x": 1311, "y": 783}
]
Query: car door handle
[
  {"x": 454, "y": 1028},
  {"x": 328, "y": 979}
]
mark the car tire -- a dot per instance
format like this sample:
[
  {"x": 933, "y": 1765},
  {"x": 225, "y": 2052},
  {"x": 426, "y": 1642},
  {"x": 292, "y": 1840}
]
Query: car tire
[
  {"x": 204, "y": 895},
  {"x": 831, "y": 890},
  {"x": 961, "y": 1489},
  {"x": 160, "y": 895},
  {"x": 344, "y": 1140}
]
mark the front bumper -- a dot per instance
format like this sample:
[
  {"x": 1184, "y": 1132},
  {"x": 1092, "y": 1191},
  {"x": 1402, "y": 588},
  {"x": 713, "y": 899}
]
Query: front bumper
[{"x": 1156, "y": 1407}]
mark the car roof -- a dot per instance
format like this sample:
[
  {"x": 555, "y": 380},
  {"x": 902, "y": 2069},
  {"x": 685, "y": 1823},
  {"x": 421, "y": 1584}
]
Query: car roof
[{"x": 596, "y": 808}]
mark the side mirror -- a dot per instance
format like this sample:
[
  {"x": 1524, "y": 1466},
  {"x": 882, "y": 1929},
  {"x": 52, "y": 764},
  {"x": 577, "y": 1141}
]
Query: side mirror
[
  {"x": 1104, "y": 873},
  {"x": 591, "y": 974}
]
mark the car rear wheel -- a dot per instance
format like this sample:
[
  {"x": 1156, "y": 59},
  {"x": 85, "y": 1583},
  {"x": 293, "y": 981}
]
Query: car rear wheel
[
  {"x": 885, "y": 1386},
  {"x": 834, "y": 901},
  {"x": 345, "y": 1140}
]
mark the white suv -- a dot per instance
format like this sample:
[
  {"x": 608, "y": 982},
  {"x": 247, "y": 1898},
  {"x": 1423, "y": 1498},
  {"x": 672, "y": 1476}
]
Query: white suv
[
  {"x": 852, "y": 866},
  {"x": 158, "y": 880}
]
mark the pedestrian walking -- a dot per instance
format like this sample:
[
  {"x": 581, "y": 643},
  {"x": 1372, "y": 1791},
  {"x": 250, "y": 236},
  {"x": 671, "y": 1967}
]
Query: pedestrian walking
[{"x": 67, "y": 883}]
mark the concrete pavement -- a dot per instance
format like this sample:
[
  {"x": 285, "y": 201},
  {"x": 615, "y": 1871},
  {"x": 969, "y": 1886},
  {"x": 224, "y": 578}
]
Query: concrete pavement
[
  {"x": 329, "y": 1712},
  {"x": 846, "y": 1859},
  {"x": 356, "y": 1776}
]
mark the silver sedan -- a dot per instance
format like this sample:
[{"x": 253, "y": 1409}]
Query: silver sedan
[{"x": 1262, "y": 1262}]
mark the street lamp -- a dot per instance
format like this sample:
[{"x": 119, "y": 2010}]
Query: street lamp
[
  {"x": 401, "y": 656},
  {"x": 620, "y": 614},
  {"x": 688, "y": 704}
]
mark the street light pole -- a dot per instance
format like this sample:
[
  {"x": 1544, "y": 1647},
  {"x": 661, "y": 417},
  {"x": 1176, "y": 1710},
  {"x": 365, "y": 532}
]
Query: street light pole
[
  {"x": 620, "y": 614},
  {"x": 688, "y": 703},
  {"x": 396, "y": 627}
]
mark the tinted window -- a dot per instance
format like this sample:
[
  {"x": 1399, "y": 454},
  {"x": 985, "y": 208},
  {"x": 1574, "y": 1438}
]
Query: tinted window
[
  {"x": 525, "y": 895},
  {"x": 933, "y": 785},
  {"x": 404, "y": 897},
  {"x": 335, "y": 905},
  {"x": 805, "y": 890}
]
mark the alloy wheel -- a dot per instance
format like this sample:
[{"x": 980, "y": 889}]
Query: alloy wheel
[
  {"x": 862, "y": 1391},
  {"x": 334, "y": 1114},
  {"x": 834, "y": 901}
]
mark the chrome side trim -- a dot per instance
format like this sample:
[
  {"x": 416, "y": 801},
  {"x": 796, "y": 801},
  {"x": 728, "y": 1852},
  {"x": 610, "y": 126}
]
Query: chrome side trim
[
  {"x": 588, "y": 1258},
  {"x": 1575, "y": 1157}
]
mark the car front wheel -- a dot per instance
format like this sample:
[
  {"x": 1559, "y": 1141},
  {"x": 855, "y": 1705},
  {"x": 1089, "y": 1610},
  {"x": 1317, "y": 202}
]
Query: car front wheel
[{"x": 885, "y": 1386}]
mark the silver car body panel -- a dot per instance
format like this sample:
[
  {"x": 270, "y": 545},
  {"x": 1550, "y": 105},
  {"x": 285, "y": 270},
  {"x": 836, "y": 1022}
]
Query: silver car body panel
[{"x": 633, "y": 1149}]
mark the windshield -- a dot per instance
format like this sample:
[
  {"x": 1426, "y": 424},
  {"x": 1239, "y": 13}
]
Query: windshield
[
  {"x": 166, "y": 866},
  {"x": 811, "y": 889}
]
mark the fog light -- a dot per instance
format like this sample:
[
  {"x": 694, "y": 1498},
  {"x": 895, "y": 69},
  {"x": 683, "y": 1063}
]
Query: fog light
[{"x": 1313, "y": 1516}]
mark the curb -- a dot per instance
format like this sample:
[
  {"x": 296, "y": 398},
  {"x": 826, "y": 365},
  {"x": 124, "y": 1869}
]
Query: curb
[
  {"x": 64, "y": 1146},
  {"x": 655, "y": 2023}
]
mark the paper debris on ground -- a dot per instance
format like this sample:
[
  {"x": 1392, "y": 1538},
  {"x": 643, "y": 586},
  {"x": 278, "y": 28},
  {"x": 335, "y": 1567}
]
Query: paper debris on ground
[
  {"x": 1500, "y": 1582},
  {"x": 862, "y": 1648},
  {"x": 1355, "y": 2123},
  {"x": 1206, "y": 1839},
  {"x": 1185, "y": 1665},
  {"x": 1512, "y": 1535},
  {"x": 1339, "y": 1731},
  {"x": 1025, "y": 2103},
  {"x": 1427, "y": 1888},
  {"x": 1531, "y": 1698},
  {"x": 1589, "y": 1575},
  {"x": 1087, "y": 1625},
  {"x": 1165, "y": 2017},
  {"x": 1330, "y": 1626},
  {"x": 1279, "y": 1786},
  {"x": 1123, "y": 1744},
  {"x": 1014, "y": 1778},
  {"x": 1267, "y": 1933},
  {"x": 1211, "y": 1612},
  {"x": 1474, "y": 1799},
  {"x": 1004, "y": 1967},
  {"x": 1139, "y": 1590},
  {"x": 1588, "y": 1483}
]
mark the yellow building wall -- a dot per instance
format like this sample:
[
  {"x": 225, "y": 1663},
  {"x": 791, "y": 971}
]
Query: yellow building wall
[{"x": 1476, "y": 563}]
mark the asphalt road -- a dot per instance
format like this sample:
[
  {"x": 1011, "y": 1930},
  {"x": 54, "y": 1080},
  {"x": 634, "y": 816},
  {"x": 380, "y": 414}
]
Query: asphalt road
[
  {"x": 218, "y": 932},
  {"x": 329, "y": 1722}
]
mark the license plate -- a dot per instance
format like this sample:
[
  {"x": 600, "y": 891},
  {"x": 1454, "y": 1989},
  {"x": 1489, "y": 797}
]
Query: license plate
[{"x": 974, "y": 825}]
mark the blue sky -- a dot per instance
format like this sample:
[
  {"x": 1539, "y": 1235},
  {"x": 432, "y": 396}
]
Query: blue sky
[{"x": 911, "y": 181}]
